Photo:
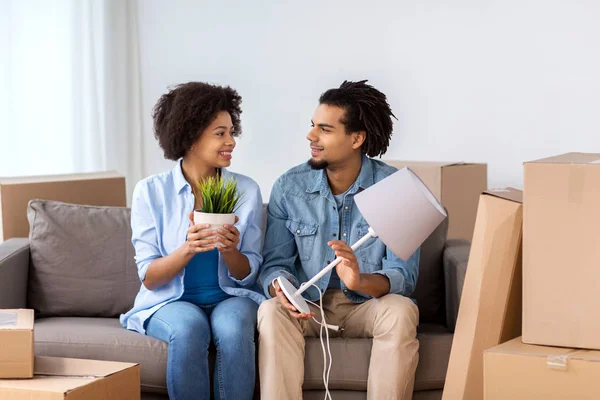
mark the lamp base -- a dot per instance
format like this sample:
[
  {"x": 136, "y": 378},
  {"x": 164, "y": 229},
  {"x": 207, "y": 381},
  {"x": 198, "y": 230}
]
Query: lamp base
[{"x": 296, "y": 299}]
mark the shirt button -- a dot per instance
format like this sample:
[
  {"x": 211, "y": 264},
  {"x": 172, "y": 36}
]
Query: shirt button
[
  {"x": 335, "y": 234},
  {"x": 345, "y": 234},
  {"x": 345, "y": 290},
  {"x": 297, "y": 230},
  {"x": 345, "y": 208}
]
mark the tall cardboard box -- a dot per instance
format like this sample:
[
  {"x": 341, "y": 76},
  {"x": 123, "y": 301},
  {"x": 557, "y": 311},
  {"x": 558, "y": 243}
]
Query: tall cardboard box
[
  {"x": 95, "y": 189},
  {"x": 75, "y": 379},
  {"x": 518, "y": 371},
  {"x": 561, "y": 251},
  {"x": 457, "y": 186},
  {"x": 16, "y": 343},
  {"x": 490, "y": 306}
]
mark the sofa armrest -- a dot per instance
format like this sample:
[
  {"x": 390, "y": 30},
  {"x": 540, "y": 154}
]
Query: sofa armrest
[
  {"x": 456, "y": 256},
  {"x": 14, "y": 272}
]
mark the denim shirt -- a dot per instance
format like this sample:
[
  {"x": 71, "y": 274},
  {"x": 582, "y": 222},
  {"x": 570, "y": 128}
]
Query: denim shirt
[
  {"x": 302, "y": 217},
  {"x": 159, "y": 221}
]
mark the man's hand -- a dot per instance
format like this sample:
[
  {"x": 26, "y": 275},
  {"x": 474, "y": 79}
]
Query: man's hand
[
  {"x": 286, "y": 303},
  {"x": 348, "y": 269}
]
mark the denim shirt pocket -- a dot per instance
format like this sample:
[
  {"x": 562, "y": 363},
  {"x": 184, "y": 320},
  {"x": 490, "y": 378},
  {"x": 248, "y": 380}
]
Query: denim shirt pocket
[
  {"x": 372, "y": 251},
  {"x": 304, "y": 235}
]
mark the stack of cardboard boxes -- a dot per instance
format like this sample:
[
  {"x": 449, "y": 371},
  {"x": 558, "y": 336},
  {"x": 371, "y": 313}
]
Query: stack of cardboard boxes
[
  {"x": 23, "y": 376},
  {"x": 557, "y": 356},
  {"x": 533, "y": 270}
]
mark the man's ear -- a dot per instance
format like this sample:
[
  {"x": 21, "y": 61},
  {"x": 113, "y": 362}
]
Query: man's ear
[{"x": 358, "y": 138}]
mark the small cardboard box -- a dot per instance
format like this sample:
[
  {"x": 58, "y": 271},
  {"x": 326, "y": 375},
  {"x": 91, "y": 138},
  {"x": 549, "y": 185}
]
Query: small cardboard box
[
  {"x": 457, "y": 186},
  {"x": 75, "y": 379},
  {"x": 518, "y": 371},
  {"x": 561, "y": 251},
  {"x": 16, "y": 343},
  {"x": 490, "y": 306},
  {"x": 95, "y": 189}
]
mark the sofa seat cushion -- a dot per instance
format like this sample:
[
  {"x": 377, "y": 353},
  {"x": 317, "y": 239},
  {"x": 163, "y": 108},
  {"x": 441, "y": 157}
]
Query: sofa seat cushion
[
  {"x": 350, "y": 368},
  {"x": 103, "y": 339}
]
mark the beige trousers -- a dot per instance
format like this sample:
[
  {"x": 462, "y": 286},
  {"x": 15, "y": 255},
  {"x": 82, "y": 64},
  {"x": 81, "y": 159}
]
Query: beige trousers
[{"x": 390, "y": 320}]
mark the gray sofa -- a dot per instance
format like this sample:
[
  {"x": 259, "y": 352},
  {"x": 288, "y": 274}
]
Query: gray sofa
[{"x": 442, "y": 271}]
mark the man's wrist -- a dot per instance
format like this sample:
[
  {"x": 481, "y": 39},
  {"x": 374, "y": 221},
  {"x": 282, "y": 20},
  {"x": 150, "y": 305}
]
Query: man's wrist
[{"x": 357, "y": 283}]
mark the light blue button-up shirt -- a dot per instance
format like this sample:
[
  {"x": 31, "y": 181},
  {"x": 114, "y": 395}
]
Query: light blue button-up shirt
[
  {"x": 159, "y": 221},
  {"x": 303, "y": 216}
]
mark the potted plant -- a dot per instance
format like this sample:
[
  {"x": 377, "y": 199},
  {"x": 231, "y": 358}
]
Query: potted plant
[{"x": 220, "y": 198}]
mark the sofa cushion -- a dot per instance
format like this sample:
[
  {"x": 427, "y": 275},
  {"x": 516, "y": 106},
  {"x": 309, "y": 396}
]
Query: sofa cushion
[
  {"x": 82, "y": 260},
  {"x": 103, "y": 339},
  {"x": 429, "y": 292}
]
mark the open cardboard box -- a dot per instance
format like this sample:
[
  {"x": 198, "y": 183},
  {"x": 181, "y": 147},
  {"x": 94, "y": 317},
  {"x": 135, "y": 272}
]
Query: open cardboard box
[{"x": 75, "y": 379}]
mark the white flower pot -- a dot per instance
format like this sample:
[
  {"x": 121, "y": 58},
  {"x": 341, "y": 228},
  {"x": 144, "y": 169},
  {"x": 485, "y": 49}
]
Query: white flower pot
[{"x": 216, "y": 221}]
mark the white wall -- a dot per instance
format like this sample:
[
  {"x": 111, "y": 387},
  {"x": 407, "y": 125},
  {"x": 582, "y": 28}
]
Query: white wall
[{"x": 496, "y": 81}]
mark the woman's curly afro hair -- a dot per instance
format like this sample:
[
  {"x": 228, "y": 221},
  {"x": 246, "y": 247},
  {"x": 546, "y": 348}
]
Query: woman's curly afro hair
[{"x": 182, "y": 114}]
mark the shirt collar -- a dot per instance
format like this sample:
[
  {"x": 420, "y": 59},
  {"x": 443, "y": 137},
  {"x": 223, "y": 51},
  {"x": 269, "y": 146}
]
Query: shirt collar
[
  {"x": 365, "y": 177},
  {"x": 180, "y": 181},
  {"x": 364, "y": 180}
]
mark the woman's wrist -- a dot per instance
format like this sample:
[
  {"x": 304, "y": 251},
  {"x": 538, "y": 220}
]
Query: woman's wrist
[
  {"x": 232, "y": 256},
  {"x": 185, "y": 252},
  {"x": 237, "y": 263}
]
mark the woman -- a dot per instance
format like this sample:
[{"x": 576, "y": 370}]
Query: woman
[{"x": 193, "y": 291}]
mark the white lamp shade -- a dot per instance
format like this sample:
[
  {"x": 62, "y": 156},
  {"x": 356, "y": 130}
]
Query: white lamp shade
[{"x": 402, "y": 211}]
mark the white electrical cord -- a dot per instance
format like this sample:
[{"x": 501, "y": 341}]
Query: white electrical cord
[{"x": 324, "y": 326}]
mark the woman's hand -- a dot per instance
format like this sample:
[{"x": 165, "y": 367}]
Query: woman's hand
[
  {"x": 237, "y": 262},
  {"x": 197, "y": 238},
  {"x": 229, "y": 238}
]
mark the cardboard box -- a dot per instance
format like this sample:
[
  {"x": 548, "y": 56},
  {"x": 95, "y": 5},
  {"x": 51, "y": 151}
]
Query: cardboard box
[
  {"x": 75, "y": 379},
  {"x": 490, "y": 306},
  {"x": 518, "y": 371},
  {"x": 457, "y": 186},
  {"x": 96, "y": 189},
  {"x": 561, "y": 251},
  {"x": 16, "y": 343}
]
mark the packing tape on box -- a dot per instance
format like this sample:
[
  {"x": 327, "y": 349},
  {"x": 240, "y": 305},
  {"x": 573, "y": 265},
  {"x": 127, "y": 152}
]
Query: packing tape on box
[
  {"x": 558, "y": 363},
  {"x": 8, "y": 318}
]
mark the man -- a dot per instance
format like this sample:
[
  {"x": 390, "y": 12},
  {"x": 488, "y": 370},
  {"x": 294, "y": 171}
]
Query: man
[{"x": 311, "y": 220}]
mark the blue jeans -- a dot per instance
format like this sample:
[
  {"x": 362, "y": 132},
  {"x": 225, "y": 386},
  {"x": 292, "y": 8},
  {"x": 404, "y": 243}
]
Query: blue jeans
[{"x": 188, "y": 329}]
